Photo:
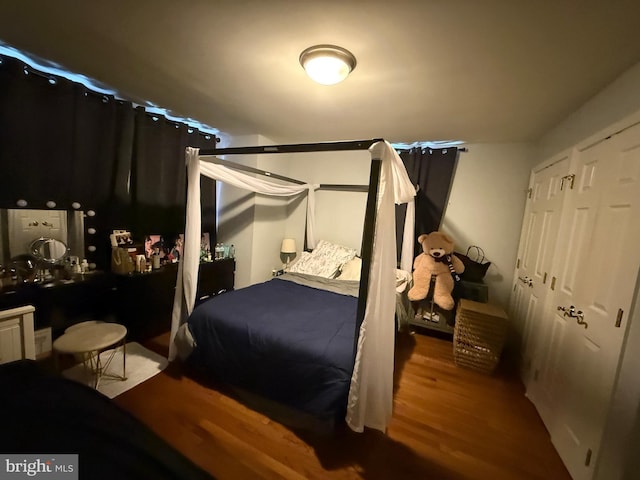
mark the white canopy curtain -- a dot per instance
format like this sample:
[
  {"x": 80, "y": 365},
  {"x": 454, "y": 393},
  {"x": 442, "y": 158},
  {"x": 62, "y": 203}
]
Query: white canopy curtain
[
  {"x": 265, "y": 187},
  {"x": 187, "y": 280},
  {"x": 370, "y": 395}
]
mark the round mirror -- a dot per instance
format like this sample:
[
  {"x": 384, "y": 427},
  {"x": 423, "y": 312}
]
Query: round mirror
[{"x": 49, "y": 250}]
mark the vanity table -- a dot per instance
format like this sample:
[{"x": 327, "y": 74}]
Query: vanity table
[
  {"x": 45, "y": 247},
  {"x": 62, "y": 303},
  {"x": 41, "y": 251},
  {"x": 142, "y": 302}
]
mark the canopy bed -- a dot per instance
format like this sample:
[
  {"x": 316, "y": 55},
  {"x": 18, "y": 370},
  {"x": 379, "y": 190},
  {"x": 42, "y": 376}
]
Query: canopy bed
[{"x": 359, "y": 345}]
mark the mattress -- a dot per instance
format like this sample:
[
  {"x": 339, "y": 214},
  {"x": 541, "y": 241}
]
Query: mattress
[{"x": 290, "y": 339}]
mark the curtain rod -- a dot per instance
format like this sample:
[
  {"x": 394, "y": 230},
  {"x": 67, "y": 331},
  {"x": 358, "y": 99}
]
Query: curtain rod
[
  {"x": 460, "y": 149},
  {"x": 294, "y": 148},
  {"x": 306, "y": 147},
  {"x": 344, "y": 188}
]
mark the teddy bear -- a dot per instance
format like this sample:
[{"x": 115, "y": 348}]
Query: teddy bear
[{"x": 436, "y": 259}]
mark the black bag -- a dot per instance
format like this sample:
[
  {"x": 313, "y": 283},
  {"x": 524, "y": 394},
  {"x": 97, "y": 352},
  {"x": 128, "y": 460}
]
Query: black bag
[{"x": 475, "y": 266}]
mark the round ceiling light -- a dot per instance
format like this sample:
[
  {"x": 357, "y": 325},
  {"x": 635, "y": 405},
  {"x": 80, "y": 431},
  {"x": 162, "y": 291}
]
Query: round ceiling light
[{"x": 327, "y": 64}]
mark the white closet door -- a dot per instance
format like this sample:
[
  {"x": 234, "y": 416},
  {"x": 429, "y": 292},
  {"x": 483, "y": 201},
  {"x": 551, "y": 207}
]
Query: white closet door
[
  {"x": 538, "y": 240},
  {"x": 597, "y": 274}
]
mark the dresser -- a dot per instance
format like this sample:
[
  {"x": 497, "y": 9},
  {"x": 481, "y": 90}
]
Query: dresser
[
  {"x": 16, "y": 334},
  {"x": 142, "y": 302},
  {"x": 60, "y": 304}
]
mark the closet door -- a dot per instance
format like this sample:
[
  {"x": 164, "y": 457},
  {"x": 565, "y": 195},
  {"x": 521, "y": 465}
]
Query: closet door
[
  {"x": 596, "y": 275},
  {"x": 538, "y": 240}
]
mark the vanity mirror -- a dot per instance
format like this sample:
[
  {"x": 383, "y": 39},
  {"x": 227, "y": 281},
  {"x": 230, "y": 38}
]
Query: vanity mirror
[
  {"x": 47, "y": 235},
  {"x": 49, "y": 250}
]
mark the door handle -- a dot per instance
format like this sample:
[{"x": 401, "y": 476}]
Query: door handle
[
  {"x": 571, "y": 312},
  {"x": 526, "y": 280}
]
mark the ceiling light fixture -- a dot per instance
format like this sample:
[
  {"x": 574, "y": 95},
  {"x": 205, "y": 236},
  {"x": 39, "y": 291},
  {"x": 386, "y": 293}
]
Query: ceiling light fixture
[{"x": 327, "y": 64}]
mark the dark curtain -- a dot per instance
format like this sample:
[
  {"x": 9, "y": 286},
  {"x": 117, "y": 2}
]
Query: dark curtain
[
  {"x": 159, "y": 171},
  {"x": 63, "y": 142},
  {"x": 36, "y": 135},
  {"x": 431, "y": 170},
  {"x": 103, "y": 158},
  {"x": 158, "y": 174},
  {"x": 100, "y": 125},
  {"x": 59, "y": 140}
]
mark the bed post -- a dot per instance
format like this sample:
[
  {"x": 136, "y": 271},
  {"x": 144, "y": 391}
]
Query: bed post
[{"x": 367, "y": 245}]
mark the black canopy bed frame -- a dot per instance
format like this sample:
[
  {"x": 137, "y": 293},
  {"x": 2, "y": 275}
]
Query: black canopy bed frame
[{"x": 293, "y": 345}]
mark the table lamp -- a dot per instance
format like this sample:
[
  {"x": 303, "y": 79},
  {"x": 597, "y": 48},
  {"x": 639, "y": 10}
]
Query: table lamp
[{"x": 288, "y": 247}]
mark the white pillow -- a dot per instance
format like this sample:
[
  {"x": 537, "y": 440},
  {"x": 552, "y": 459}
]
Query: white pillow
[
  {"x": 351, "y": 270},
  {"x": 325, "y": 260},
  {"x": 299, "y": 258}
]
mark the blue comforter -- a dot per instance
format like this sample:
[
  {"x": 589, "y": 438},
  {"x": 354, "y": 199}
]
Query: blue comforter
[{"x": 287, "y": 342}]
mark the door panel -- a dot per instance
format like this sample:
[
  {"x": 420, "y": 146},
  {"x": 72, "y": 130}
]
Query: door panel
[
  {"x": 580, "y": 220},
  {"x": 545, "y": 391},
  {"x": 533, "y": 278}
]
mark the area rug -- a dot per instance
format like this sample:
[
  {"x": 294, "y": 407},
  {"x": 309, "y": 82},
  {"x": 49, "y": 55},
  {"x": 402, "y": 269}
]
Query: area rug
[{"x": 142, "y": 364}]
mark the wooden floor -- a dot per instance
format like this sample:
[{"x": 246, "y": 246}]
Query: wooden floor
[{"x": 448, "y": 423}]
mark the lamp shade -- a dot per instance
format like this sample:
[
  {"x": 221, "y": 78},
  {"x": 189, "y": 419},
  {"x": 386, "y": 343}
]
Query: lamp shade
[
  {"x": 288, "y": 246},
  {"x": 327, "y": 64}
]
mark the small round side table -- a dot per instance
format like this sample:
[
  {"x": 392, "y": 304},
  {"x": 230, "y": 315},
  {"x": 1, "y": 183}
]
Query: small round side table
[{"x": 91, "y": 339}]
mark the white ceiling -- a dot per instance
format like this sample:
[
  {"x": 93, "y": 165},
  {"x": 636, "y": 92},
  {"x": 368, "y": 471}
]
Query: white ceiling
[{"x": 477, "y": 71}]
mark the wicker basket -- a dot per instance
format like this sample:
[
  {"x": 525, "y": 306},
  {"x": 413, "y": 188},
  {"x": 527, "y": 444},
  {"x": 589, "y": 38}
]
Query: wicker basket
[{"x": 479, "y": 335}]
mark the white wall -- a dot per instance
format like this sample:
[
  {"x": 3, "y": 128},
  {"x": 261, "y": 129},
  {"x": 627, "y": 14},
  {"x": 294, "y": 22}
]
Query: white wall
[
  {"x": 617, "y": 101},
  {"x": 486, "y": 206},
  {"x": 236, "y": 211},
  {"x": 269, "y": 227},
  {"x": 339, "y": 215},
  {"x": 254, "y": 224}
]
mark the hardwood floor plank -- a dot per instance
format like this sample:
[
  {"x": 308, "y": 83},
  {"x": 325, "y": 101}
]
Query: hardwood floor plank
[{"x": 448, "y": 423}]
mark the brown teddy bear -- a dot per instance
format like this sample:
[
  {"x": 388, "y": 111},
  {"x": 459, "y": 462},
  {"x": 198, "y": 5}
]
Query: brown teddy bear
[{"x": 437, "y": 259}]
